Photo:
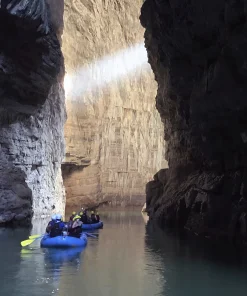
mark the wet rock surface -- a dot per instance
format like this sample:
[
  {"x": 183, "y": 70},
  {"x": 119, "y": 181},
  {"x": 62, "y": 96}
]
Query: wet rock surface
[
  {"x": 197, "y": 50},
  {"x": 31, "y": 111}
]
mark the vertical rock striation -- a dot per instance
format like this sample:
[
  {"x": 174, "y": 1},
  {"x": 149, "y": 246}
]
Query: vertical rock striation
[
  {"x": 197, "y": 50},
  {"x": 31, "y": 110},
  {"x": 114, "y": 135}
]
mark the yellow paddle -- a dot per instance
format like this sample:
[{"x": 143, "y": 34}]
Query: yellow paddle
[
  {"x": 35, "y": 236},
  {"x": 27, "y": 242},
  {"x": 31, "y": 239}
]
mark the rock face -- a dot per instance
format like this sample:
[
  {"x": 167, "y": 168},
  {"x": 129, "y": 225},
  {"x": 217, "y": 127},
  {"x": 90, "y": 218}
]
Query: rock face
[
  {"x": 197, "y": 50},
  {"x": 31, "y": 110},
  {"x": 114, "y": 135}
]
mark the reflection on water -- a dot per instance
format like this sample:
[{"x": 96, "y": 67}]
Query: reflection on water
[
  {"x": 115, "y": 263},
  {"x": 127, "y": 258},
  {"x": 196, "y": 267}
]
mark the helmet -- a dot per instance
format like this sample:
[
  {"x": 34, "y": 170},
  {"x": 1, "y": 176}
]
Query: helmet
[
  {"x": 74, "y": 213},
  {"x": 81, "y": 214},
  {"x": 54, "y": 217},
  {"x": 92, "y": 212},
  {"x": 82, "y": 209},
  {"x": 76, "y": 217},
  {"x": 59, "y": 217}
]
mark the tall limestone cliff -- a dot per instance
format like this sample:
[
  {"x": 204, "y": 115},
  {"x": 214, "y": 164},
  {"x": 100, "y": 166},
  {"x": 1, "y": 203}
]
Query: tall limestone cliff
[
  {"x": 114, "y": 135},
  {"x": 197, "y": 50},
  {"x": 31, "y": 109}
]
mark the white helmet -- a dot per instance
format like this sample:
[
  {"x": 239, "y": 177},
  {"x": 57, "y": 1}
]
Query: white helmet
[
  {"x": 54, "y": 217},
  {"x": 59, "y": 217}
]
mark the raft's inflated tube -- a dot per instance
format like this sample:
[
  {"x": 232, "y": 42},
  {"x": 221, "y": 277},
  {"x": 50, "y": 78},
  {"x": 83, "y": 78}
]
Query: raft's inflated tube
[
  {"x": 92, "y": 226},
  {"x": 63, "y": 241},
  {"x": 64, "y": 255}
]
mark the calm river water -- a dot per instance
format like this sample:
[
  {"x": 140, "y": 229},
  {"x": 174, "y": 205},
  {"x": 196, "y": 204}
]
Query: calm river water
[{"x": 128, "y": 258}]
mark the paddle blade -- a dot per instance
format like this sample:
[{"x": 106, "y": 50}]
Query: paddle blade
[
  {"x": 27, "y": 242},
  {"x": 90, "y": 235},
  {"x": 35, "y": 236}
]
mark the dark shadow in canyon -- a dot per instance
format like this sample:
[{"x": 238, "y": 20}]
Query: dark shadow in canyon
[{"x": 197, "y": 50}]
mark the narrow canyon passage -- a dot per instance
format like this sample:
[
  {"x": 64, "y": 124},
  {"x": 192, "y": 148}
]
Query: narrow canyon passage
[
  {"x": 92, "y": 113},
  {"x": 114, "y": 135}
]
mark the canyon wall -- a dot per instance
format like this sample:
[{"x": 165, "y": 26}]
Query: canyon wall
[
  {"x": 32, "y": 112},
  {"x": 114, "y": 135},
  {"x": 197, "y": 50}
]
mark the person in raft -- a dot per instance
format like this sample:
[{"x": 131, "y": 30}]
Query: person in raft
[
  {"x": 50, "y": 224},
  {"x": 84, "y": 217},
  {"x": 76, "y": 228},
  {"x": 70, "y": 223},
  {"x": 72, "y": 216},
  {"x": 93, "y": 217},
  {"x": 56, "y": 226},
  {"x": 97, "y": 217}
]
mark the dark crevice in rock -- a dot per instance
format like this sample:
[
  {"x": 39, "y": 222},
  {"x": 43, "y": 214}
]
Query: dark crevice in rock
[{"x": 69, "y": 168}]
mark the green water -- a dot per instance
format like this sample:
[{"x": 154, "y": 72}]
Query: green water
[{"x": 128, "y": 258}]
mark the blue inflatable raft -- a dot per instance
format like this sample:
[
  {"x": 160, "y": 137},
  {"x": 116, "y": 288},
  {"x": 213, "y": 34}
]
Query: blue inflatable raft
[
  {"x": 63, "y": 241},
  {"x": 92, "y": 226}
]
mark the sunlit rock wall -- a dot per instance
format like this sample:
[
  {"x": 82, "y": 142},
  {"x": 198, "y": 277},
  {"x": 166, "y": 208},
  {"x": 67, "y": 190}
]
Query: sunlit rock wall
[
  {"x": 114, "y": 135},
  {"x": 31, "y": 110}
]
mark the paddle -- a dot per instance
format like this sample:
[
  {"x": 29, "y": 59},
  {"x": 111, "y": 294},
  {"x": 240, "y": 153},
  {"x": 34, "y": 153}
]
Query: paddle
[
  {"x": 31, "y": 239},
  {"x": 36, "y": 236},
  {"x": 91, "y": 235},
  {"x": 28, "y": 242}
]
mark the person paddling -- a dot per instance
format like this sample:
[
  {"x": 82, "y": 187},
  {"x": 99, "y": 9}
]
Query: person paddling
[
  {"x": 51, "y": 223},
  {"x": 70, "y": 223},
  {"x": 97, "y": 217},
  {"x": 93, "y": 217},
  {"x": 58, "y": 227},
  {"x": 76, "y": 228},
  {"x": 84, "y": 217},
  {"x": 72, "y": 216}
]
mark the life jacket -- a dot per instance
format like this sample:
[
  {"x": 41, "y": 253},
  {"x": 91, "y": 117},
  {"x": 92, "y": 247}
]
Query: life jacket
[
  {"x": 49, "y": 226},
  {"x": 51, "y": 223},
  {"x": 56, "y": 229},
  {"x": 76, "y": 229},
  {"x": 77, "y": 223},
  {"x": 70, "y": 223},
  {"x": 76, "y": 232},
  {"x": 84, "y": 218},
  {"x": 93, "y": 218}
]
